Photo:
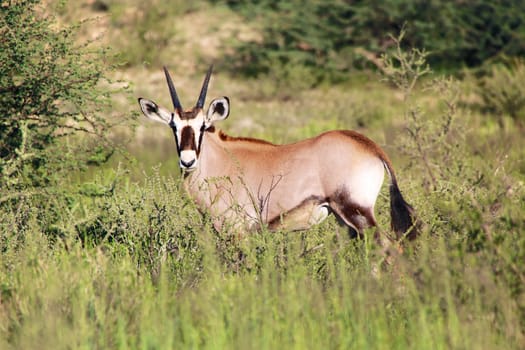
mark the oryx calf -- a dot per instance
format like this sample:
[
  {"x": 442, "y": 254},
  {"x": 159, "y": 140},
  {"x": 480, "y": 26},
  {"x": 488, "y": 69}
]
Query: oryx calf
[{"x": 250, "y": 182}]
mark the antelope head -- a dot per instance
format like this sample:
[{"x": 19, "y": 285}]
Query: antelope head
[{"x": 188, "y": 125}]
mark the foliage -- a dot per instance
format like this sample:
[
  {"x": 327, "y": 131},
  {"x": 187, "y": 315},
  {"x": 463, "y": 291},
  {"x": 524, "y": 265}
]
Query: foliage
[
  {"x": 328, "y": 39},
  {"x": 50, "y": 91},
  {"x": 502, "y": 91},
  {"x": 473, "y": 199},
  {"x": 303, "y": 41},
  {"x": 153, "y": 224}
]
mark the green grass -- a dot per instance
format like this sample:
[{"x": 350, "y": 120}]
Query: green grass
[{"x": 70, "y": 296}]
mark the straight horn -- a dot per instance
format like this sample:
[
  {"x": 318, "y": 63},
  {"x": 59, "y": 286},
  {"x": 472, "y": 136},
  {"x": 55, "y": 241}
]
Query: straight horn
[
  {"x": 173, "y": 92},
  {"x": 204, "y": 89}
]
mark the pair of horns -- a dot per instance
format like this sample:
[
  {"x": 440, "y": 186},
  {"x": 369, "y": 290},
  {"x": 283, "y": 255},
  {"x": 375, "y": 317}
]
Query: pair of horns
[{"x": 202, "y": 96}]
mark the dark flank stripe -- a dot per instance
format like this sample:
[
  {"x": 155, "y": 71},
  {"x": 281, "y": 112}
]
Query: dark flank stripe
[{"x": 228, "y": 138}]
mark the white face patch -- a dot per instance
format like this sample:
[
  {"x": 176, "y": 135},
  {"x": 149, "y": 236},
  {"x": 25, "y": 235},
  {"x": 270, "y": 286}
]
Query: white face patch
[
  {"x": 188, "y": 160},
  {"x": 188, "y": 133}
]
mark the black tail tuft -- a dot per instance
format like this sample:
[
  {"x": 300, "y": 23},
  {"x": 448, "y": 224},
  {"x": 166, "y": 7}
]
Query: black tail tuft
[{"x": 404, "y": 222}]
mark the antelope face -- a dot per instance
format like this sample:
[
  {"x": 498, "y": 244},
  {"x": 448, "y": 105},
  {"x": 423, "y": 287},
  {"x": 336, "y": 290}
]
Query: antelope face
[{"x": 188, "y": 126}]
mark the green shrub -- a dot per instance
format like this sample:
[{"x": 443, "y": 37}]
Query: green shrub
[
  {"x": 302, "y": 42},
  {"x": 153, "y": 223},
  {"x": 120, "y": 264},
  {"x": 51, "y": 90},
  {"x": 469, "y": 200}
]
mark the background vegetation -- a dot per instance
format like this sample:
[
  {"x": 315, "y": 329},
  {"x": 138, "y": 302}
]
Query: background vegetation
[
  {"x": 329, "y": 39},
  {"x": 100, "y": 248}
]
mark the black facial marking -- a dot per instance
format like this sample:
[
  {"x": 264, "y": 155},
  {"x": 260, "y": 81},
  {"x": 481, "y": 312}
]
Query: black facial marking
[
  {"x": 174, "y": 129},
  {"x": 187, "y": 137},
  {"x": 203, "y": 129}
]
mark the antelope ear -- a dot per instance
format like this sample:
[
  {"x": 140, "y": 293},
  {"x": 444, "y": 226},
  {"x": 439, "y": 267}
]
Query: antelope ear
[
  {"x": 154, "y": 112},
  {"x": 219, "y": 110}
]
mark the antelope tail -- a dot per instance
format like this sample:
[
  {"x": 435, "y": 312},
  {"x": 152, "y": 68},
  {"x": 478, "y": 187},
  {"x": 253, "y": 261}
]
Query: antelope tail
[{"x": 403, "y": 219}]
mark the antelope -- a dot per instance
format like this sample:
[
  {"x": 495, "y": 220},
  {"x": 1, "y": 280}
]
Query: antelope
[{"x": 247, "y": 183}]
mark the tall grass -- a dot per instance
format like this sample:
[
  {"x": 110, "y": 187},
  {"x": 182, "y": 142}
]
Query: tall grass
[{"x": 157, "y": 276}]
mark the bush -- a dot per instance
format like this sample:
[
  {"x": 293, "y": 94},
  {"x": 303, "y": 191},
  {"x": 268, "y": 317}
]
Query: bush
[
  {"x": 51, "y": 91},
  {"x": 154, "y": 223}
]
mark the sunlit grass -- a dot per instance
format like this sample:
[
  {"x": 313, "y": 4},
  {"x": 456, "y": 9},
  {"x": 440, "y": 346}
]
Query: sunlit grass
[{"x": 63, "y": 296}]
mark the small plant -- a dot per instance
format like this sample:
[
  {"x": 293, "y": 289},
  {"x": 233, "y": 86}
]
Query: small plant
[
  {"x": 404, "y": 68},
  {"x": 127, "y": 263}
]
